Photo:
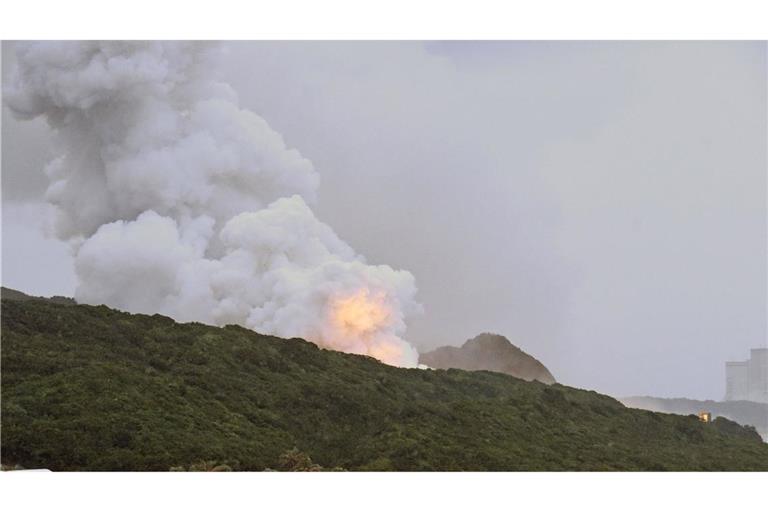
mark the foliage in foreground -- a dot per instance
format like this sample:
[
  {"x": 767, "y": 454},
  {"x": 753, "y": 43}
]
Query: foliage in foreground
[{"x": 90, "y": 388}]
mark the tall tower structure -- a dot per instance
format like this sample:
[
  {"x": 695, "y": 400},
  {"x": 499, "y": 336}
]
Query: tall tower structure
[
  {"x": 736, "y": 380},
  {"x": 748, "y": 380},
  {"x": 758, "y": 375}
]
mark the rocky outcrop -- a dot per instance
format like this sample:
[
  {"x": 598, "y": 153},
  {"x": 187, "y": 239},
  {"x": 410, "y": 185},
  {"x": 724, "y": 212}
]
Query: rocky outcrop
[{"x": 490, "y": 352}]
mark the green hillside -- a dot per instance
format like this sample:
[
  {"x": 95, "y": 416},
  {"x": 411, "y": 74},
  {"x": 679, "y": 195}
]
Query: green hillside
[
  {"x": 90, "y": 388},
  {"x": 10, "y": 293},
  {"x": 740, "y": 411}
]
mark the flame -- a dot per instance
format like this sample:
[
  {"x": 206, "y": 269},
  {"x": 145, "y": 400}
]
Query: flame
[
  {"x": 360, "y": 314},
  {"x": 361, "y": 322},
  {"x": 388, "y": 351}
]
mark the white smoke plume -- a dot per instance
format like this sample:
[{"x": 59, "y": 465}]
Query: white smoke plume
[{"x": 178, "y": 201}]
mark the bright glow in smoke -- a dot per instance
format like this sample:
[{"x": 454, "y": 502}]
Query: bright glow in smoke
[
  {"x": 361, "y": 313},
  {"x": 177, "y": 201},
  {"x": 362, "y": 320}
]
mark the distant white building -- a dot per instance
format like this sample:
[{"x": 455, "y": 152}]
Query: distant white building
[{"x": 748, "y": 380}]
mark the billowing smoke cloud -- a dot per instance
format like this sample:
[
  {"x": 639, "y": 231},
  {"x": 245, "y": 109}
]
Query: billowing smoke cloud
[{"x": 177, "y": 201}]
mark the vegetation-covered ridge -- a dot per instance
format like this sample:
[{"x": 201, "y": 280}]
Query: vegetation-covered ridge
[
  {"x": 491, "y": 352},
  {"x": 10, "y": 293},
  {"x": 91, "y": 388},
  {"x": 740, "y": 411}
]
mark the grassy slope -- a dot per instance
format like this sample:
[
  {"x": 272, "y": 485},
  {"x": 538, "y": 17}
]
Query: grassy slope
[{"x": 92, "y": 388}]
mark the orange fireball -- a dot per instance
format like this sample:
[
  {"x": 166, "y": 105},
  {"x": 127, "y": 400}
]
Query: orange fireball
[{"x": 360, "y": 314}]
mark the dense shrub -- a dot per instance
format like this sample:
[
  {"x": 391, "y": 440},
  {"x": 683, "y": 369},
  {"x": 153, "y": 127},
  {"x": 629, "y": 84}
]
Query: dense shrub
[{"x": 90, "y": 388}]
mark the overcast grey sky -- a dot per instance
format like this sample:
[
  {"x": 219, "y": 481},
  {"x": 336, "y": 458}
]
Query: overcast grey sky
[{"x": 603, "y": 205}]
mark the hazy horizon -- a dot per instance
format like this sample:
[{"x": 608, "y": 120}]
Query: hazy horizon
[{"x": 602, "y": 205}]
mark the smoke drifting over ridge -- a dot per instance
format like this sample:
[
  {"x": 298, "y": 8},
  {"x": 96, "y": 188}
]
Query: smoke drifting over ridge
[{"x": 177, "y": 201}]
